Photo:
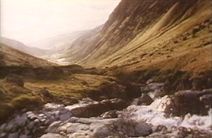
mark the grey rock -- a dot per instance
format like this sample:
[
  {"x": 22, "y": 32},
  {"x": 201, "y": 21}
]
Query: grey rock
[
  {"x": 53, "y": 128},
  {"x": 43, "y": 120},
  {"x": 13, "y": 135},
  {"x": 52, "y": 135},
  {"x": 2, "y": 127},
  {"x": 110, "y": 114},
  {"x": 3, "y": 135},
  {"x": 21, "y": 121},
  {"x": 37, "y": 121},
  {"x": 31, "y": 115},
  {"x": 145, "y": 89},
  {"x": 93, "y": 110},
  {"x": 10, "y": 127},
  {"x": 144, "y": 100},
  {"x": 31, "y": 125},
  {"x": 75, "y": 127},
  {"x": 41, "y": 115},
  {"x": 25, "y": 136},
  {"x": 79, "y": 135},
  {"x": 65, "y": 116},
  {"x": 27, "y": 132},
  {"x": 143, "y": 129},
  {"x": 86, "y": 101},
  {"x": 102, "y": 132},
  {"x": 191, "y": 101}
]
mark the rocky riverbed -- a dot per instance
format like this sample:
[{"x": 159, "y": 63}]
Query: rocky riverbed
[{"x": 150, "y": 115}]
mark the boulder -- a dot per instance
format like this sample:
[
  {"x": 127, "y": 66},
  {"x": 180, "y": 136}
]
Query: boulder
[
  {"x": 51, "y": 135},
  {"x": 164, "y": 104},
  {"x": 123, "y": 128},
  {"x": 25, "y": 136},
  {"x": 65, "y": 116},
  {"x": 96, "y": 109},
  {"x": 102, "y": 132},
  {"x": 145, "y": 99},
  {"x": 77, "y": 127},
  {"x": 108, "y": 91},
  {"x": 207, "y": 100},
  {"x": 13, "y": 135},
  {"x": 142, "y": 129},
  {"x": 156, "y": 89},
  {"x": 133, "y": 90},
  {"x": 20, "y": 121},
  {"x": 199, "y": 83},
  {"x": 10, "y": 127},
  {"x": 110, "y": 114},
  {"x": 3, "y": 134},
  {"x": 194, "y": 102},
  {"x": 79, "y": 135},
  {"x": 53, "y": 128}
]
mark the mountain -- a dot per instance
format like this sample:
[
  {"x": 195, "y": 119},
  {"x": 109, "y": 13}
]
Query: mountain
[
  {"x": 80, "y": 47},
  {"x": 22, "y": 47},
  {"x": 12, "y": 57},
  {"x": 149, "y": 75},
  {"x": 57, "y": 45},
  {"x": 150, "y": 34},
  {"x": 59, "y": 42}
]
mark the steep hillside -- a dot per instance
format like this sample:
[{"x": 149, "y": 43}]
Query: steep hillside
[
  {"x": 142, "y": 34},
  {"x": 13, "y": 57},
  {"x": 82, "y": 46}
]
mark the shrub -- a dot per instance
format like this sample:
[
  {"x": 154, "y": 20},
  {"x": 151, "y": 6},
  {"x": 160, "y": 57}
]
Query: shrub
[
  {"x": 15, "y": 79},
  {"x": 24, "y": 101}
]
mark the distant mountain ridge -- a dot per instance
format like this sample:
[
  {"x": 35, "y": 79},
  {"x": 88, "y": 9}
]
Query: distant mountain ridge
[
  {"x": 58, "y": 42},
  {"x": 22, "y": 47},
  {"x": 13, "y": 57}
]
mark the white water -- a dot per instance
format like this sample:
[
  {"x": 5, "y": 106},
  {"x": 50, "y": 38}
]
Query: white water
[{"x": 154, "y": 114}]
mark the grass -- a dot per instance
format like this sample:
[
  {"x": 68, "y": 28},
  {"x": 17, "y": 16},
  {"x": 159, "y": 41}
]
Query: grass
[
  {"x": 13, "y": 98},
  {"x": 66, "y": 90},
  {"x": 21, "y": 101}
]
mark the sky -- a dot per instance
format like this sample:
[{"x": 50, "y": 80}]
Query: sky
[{"x": 30, "y": 21}]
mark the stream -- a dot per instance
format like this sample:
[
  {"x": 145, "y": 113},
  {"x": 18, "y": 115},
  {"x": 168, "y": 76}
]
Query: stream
[{"x": 79, "y": 121}]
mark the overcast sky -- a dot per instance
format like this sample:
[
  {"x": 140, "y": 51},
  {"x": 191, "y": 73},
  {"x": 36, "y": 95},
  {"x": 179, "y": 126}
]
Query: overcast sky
[{"x": 30, "y": 21}]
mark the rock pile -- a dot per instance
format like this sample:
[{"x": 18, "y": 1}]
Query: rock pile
[
  {"x": 97, "y": 128},
  {"x": 33, "y": 124},
  {"x": 149, "y": 116}
]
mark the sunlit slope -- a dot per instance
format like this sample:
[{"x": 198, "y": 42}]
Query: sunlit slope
[{"x": 151, "y": 33}]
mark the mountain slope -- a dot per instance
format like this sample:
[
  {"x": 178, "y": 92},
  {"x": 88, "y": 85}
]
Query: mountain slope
[
  {"x": 58, "y": 45},
  {"x": 142, "y": 34},
  {"x": 22, "y": 47},
  {"x": 13, "y": 57},
  {"x": 82, "y": 46},
  {"x": 58, "y": 42}
]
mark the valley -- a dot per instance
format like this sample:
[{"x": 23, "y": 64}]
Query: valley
[{"x": 147, "y": 72}]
